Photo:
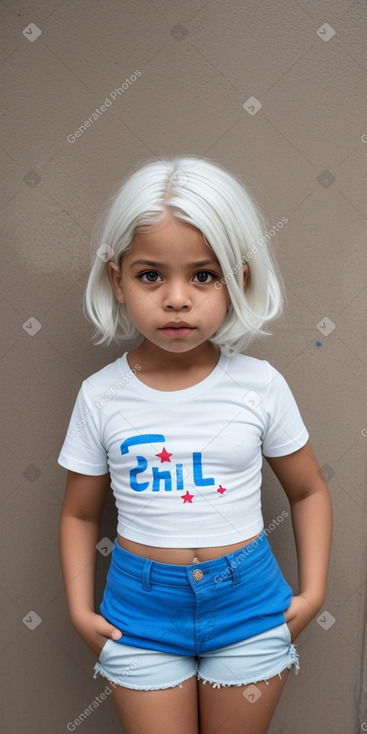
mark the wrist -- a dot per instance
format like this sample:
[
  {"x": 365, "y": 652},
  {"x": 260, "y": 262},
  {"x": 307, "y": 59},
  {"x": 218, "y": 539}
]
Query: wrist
[{"x": 77, "y": 616}]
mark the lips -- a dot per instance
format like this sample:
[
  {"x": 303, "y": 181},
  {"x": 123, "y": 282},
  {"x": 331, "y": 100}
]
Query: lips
[
  {"x": 177, "y": 325},
  {"x": 177, "y": 329}
]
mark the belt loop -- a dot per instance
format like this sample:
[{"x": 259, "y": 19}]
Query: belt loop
[
  {"x": 234, "y": 566},
  {"x": 146, "y": 575}
]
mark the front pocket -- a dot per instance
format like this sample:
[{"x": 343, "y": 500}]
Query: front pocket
[
  {"x": 287, "y": 632},
  {"x": 104, "y": 648}
]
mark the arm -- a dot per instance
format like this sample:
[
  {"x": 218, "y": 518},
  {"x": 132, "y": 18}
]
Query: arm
[
  {"x": 311, "y": 512},
  {"x": 78, "y": 535}
]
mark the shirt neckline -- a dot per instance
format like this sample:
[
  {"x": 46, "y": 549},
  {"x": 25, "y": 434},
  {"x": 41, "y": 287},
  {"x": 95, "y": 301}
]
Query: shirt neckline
[{"x": 173, "y": 395}]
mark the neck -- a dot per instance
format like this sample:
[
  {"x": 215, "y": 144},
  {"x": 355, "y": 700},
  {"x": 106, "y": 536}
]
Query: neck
[{"x": 154, "y": 359}]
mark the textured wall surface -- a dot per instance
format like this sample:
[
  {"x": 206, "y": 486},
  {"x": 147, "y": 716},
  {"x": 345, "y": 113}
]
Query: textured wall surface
[{"x": 276, "y": 92}]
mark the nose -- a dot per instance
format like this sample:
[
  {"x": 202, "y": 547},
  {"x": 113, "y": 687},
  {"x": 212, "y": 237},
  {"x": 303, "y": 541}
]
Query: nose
[{"x": 177, "y": 295}]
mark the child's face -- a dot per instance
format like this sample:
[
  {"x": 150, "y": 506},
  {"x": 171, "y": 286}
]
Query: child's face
[{"x": 170, "y": 283}]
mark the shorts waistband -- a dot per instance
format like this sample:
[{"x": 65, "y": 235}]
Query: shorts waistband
[{"x": 138, "y": 566}]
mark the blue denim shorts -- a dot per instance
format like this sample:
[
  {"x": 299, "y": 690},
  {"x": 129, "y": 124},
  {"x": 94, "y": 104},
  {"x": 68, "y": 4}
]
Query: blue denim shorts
[{"x": 222, "y": 620}]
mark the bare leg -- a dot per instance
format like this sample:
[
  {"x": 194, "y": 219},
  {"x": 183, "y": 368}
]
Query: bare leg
[
  {"x": 158, "y": 712},
  {"x": 228, "y": 711}
]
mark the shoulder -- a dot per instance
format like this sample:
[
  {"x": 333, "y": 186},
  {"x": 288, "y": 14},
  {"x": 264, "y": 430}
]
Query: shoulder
[
  {"x": 260, "y": 376},
  {"x": 257, "y": 370},
  {"x": 105, "y": 379}
]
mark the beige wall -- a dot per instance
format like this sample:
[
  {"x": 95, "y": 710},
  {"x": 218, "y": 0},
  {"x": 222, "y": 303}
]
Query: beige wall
[{"x": 200, "y": 62}]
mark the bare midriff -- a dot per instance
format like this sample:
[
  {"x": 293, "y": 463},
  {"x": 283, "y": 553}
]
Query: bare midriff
[{"x": 180, "y": 556}]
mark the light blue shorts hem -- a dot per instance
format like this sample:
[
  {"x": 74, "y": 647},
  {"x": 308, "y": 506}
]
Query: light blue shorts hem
[
  {"x": 294, "y": 660},
  {"x": 117, "y": 681},
  {"x": 255, "y": 659}
]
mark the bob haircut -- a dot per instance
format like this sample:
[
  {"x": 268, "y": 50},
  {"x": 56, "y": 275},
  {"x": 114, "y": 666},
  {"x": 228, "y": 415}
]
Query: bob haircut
[{"x": 201, "y": 193}]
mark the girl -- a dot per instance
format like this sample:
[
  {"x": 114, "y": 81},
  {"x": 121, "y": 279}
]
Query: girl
[{"x": 197, "y": 623}]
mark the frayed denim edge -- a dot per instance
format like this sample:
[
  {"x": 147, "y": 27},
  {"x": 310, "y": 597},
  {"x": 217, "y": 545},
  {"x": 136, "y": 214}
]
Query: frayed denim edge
[
  {"x": 294, "y": 661},
  {"x": 99, "y": 669}
]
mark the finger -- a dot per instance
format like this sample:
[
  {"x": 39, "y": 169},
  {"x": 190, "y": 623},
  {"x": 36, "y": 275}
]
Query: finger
[{"x": 115, "y": 633}]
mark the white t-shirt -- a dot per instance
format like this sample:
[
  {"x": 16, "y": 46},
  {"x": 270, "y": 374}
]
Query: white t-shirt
[{"x": 185, "y": 465}]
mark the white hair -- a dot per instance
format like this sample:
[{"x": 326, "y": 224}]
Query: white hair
[{"x": 201, "y": 193}]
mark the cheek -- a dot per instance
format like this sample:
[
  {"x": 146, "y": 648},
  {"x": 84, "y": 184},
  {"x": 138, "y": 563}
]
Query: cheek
[
  {"x": 226, "y": 297},
  {"x": 134, "y": 305},
  {"x": 130, "y": 294},
  {"x": 225, "y": 300},
  {"x": 139, "y": 308}
]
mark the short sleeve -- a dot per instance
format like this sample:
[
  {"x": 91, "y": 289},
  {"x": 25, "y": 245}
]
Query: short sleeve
[
  {"x": 83, "y": 450},
  {"x": 285, "y": 429}
]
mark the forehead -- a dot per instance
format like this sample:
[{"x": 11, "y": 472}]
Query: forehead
[{"x": 172, "y": 237}]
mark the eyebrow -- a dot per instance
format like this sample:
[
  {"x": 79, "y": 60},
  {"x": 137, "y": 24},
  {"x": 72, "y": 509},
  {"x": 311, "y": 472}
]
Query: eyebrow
[{"x": 153, "y": 264}]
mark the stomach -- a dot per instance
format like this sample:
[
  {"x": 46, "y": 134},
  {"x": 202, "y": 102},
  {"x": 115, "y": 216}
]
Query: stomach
[{"x": 181, "y": 556}]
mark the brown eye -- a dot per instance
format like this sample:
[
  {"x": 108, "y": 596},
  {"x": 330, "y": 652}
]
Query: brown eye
[
  {"x": 204, "y": 276},
  {"x": 150, "y": 276}
]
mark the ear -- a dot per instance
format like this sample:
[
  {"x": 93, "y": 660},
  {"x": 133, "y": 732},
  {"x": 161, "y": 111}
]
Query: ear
[
  {"x": 246, "y": 276},
  {"x": 116, "y": 281}
]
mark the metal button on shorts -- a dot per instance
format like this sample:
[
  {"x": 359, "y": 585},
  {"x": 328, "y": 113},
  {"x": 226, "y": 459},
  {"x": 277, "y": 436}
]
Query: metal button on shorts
[{"x": 197, "y": 574}]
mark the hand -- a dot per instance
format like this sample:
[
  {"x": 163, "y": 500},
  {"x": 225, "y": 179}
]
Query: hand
[
  {"x": 299, "y": 614},
  {"x": 95, "y": 630}
]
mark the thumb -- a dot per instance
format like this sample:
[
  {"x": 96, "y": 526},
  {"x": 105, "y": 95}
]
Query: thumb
[{"x": 116, "y": 634}]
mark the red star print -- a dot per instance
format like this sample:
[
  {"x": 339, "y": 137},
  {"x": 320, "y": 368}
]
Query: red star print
[
  {"x": 164, "y": 455},
  {"x": 187, "y": 497},
  {"x": 221, "y": 489}
]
